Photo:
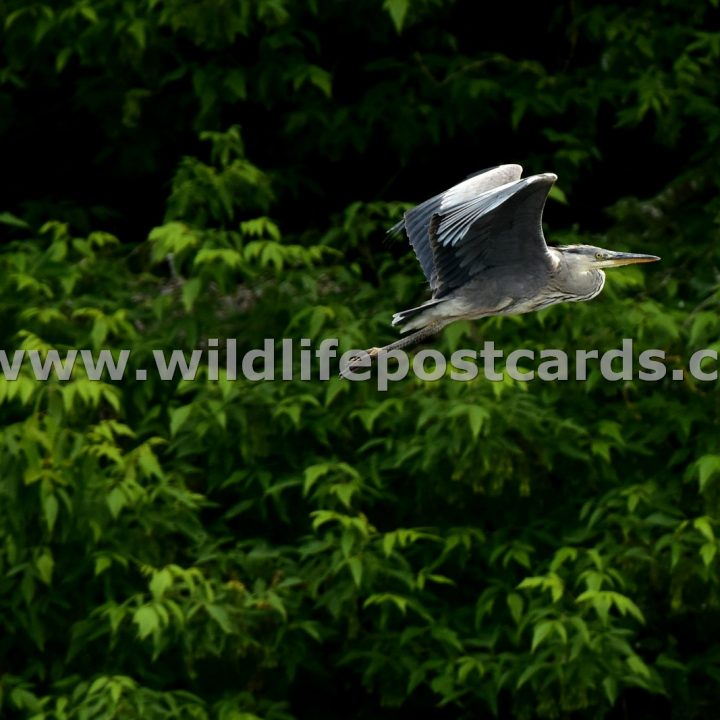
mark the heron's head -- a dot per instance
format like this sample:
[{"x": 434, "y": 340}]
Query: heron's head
[{"x": 589, "y": 257}]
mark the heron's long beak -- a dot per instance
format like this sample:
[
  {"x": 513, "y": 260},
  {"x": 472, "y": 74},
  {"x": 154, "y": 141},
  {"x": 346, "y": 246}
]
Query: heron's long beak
[{"x": 619, "y": 258}]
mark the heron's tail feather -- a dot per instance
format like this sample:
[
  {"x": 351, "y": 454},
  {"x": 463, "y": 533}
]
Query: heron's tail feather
[{"x": 412, "y": 319}]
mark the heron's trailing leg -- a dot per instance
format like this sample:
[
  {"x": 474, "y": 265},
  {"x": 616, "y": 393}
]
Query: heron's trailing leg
[
  {"x": 412, "y": 339},
  {"x": 408, "y": 340}
]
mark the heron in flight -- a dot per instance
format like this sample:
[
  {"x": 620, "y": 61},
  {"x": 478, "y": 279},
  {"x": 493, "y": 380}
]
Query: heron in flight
[{"x": 482, "y": 249}]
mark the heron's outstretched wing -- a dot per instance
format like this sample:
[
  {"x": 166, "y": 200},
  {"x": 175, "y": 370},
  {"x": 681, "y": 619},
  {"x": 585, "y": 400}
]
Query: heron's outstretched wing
[
  {"x": 417, "y": 221},
  {"x": 501, "y": 227}
]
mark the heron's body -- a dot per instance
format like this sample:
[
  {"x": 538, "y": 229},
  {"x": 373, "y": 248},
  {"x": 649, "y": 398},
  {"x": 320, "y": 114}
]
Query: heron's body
[
  {"x": 482, "y": 249},
  {"x": 500, "y": 292},
  {"x": 495, "y": 295}
]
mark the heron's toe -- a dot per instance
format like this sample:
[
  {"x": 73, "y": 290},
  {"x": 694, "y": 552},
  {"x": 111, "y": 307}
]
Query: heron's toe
[{"x": 355, "y": 362}]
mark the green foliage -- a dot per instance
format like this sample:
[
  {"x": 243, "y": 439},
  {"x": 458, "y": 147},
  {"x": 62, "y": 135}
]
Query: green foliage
[{"x": 237, "y": 549}]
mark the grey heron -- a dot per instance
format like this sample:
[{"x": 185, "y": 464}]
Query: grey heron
[{"x": 483, "y": 252}]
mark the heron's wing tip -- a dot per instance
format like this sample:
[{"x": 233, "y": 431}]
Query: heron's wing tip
[
  {"x": 397, "y": 228},
  {"x": 546, "y": 178}
]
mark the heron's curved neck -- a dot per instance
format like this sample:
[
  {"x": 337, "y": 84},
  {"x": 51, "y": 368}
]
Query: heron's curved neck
[{"x": 576, "y": 278}]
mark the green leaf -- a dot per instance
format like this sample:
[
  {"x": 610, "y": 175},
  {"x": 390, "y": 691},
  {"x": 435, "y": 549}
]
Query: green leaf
[
  {"x": 116, "y": 501},
  {"x": 147, "y": 620},
  {"x": 557, "y": 194},
  {"x": 398, "y": 601},
  {"x": 50, "y": 508},
  {"x": 89, "y": 13},
  {"x": 160, "y": 582},
  {"x": 516, "y": 604},
  {"x": 344, "y": 492},
  {"x": 625, "y": 605},
  {"x": 102, "y": 563},
  {"x": 313, "y": 473},
  {"x": 477, "y": 416},
  {"x": 98, "y": 684},
  {"x": 708, "y": 552},
  {"x": 638, "y": 666},
  {"x": 541, "y": 631},
  {"x": 221, "y": 617},
  {"x": 447, "y": 636},
  {"x": 466, "y": 666},
  {"x": 440, "y": 579},
  {"x": 99, "y": 332},
  {"x": 388, "y": 543},
  {"x": 611, "y": 689},
  {"x": 531, "y": 582},
  {"x": 7, "y": 218},
  {"x": 356, "y": 570},
  {"x": 62, "y": 58},
  {"x": 708, "y": 467},
  {"x": 347, "y": 542},
  {"x": 178, "y": 417},
  {"x": 137, "y": 30},
  {"x": 190, "y": 292},
  {"x": 531, "y": 670},
  {"x": 44, "y": 565},
  {"x": 398, "y": 11},
  {"x": 321, "y": 79},
  {"x": 277, "y": 604},
  {"x": 335, "y": 387},
  {"x": 702, "y": 524},
  {"x": 149, "y": 463}
]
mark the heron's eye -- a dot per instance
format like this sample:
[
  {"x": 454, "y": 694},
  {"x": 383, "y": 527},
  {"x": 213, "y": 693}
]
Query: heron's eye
[{"x": 599, "y": 256}]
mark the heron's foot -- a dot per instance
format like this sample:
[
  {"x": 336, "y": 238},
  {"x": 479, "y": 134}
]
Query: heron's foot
[{"x": 355, "y": 362}]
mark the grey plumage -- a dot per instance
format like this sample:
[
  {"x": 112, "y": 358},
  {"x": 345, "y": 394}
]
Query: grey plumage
[{"x": 483, "y": 252}]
